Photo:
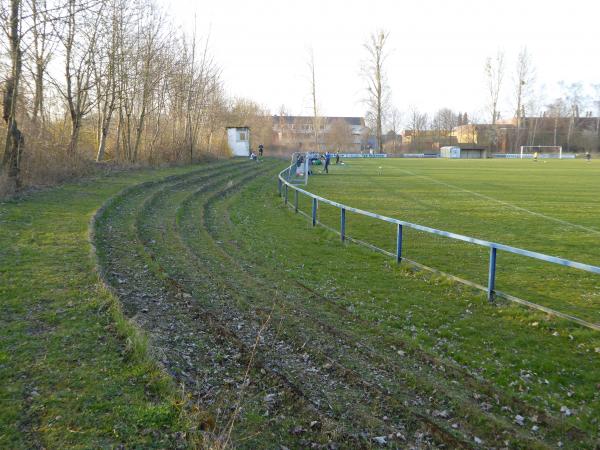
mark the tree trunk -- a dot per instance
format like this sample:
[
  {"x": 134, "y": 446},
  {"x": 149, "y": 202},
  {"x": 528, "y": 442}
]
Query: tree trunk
[
  {"x": 38, "y": 99},
  {"x": 127, "y": 151},
  {"x": 76, "y": 127},
  {"x": 535, "y": 127},
  {"x": 103, "y": 136},
  {"x": 40, "y": 40},
  {"x": 138, "y": 134},
  {"x": 570, "y": 132},
  {"x": 11, "y": 162},
  {"x": 118, "y": 142},
  {"x": 518, "y": 131}
]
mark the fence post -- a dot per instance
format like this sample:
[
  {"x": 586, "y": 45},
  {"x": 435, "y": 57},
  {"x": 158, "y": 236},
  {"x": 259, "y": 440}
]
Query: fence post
[
  {"x": 492, "y": 275},
  {"x": 306, "y": 167},
  {"x": 295, "y": 200},
  {"x": 343, "y": 225},
  {"x": 314, "y": 212},
  {"x": 279, "y": 186},
  {"x": 286, "y": 195},
  {"x": 399, "y": 244}
]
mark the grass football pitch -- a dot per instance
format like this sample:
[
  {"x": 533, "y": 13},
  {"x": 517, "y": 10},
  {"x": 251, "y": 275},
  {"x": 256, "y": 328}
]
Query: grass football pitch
[
  {"x": 229, "y": 315},
  {"x": 549, "y": 206}
]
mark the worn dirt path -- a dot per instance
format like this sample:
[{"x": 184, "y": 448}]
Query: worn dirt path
[{"x": 255, "y": 349}]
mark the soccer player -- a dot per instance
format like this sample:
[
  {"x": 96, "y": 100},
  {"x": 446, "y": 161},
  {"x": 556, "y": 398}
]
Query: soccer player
[
  {"x": 535, "y": 156},
  {"x": 260, "y": 150},
  {"x": 327, "y": 159},
  {"x": 588, "y": 156}
]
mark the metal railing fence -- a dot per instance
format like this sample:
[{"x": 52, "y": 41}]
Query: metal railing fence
[{"x": 283, "y": 189}]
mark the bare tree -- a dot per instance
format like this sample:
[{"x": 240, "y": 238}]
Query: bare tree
[
  {"x": 149, "y": 46},
  {"x": 249, "y": 113},
  {"x": 494, "y": 71},
  {"x": 43, "y": 45},
  {"x": 140, "y": 77},
  {"x": 202, "y": 79},
  {"x": 317, "y": 121},
  {"x": 556, "y": 110},
  {"x": 339, "y": 135},
  {"x": 106, "y": 74},
  {"x": 79, "y": 42},
  {"x": 535, "y": 105},
  {"x": 216, "y": 116},
  {"x": 574, "y": 96},
  {"x": 11, "y": 162},
  {"x": 205, "y": 80},
  {"x": 417, "y": 123},
  {"x": 575, "y": 100},
  {"x": 394, "y": 120},
  {"x": 373, "y": 71},
  {"x": 524, "y": 77},
  {"x": 444, "y": 121},
  {"x": 122, "y": 62},
  {"x": 596, "y": 103}
]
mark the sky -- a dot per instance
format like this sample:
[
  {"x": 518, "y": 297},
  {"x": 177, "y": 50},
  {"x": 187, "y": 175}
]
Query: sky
[{"x": 437, "y": 49}]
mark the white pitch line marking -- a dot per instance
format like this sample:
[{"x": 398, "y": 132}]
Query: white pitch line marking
[{"x": 510, "y": 205}]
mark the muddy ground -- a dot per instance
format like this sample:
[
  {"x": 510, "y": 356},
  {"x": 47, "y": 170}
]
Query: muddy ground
[{"x": 274, "y": 362}]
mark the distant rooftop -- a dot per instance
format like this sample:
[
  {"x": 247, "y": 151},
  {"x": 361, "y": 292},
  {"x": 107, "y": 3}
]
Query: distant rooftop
[{"x": 353, "y": 121}]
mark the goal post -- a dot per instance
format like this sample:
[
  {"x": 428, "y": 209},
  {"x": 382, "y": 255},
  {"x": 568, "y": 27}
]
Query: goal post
[
  {"x": 299, "y": 168},
  {"x": 545, "y": 151}
]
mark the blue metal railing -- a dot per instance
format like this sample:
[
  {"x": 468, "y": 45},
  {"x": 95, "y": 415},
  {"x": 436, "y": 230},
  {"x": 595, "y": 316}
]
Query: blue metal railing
[{"x": 283, "y": 184}]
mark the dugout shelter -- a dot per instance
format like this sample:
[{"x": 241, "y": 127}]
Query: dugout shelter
[{"x": 463, "y": 152}]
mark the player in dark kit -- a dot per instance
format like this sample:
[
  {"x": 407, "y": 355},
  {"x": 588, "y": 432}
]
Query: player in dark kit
[{"x": 260, "y": 150}]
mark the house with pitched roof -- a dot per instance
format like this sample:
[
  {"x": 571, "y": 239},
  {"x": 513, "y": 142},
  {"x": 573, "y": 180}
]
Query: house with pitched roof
[{"x": 304, "y": 133}]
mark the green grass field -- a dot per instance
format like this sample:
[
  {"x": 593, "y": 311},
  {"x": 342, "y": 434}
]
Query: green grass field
[
  {"x": 550, "y": 207},
  {"x": 232, "y": 322},
  {"x": 75, "y": 373}
]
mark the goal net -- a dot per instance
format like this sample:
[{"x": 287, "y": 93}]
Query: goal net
[
  {"x": 543, "y": 151},
  {"x": 297, "y": 173}
]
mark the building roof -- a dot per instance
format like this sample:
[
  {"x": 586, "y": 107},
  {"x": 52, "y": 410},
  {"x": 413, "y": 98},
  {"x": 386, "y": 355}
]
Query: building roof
[
  {"x": 582, "y": 121},
  {"x": 353, "y": 121}
]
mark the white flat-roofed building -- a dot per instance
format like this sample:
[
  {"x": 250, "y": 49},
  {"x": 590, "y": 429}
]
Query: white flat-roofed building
[{"x": 238, "y": 139}]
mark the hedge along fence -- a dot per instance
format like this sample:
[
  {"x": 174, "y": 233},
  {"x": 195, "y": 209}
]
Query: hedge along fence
[{"x": 285, "y": 186}]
